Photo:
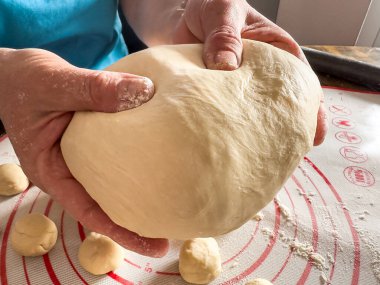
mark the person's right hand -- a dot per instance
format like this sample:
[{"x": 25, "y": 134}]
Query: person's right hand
[{"x": 39, "y": 93}]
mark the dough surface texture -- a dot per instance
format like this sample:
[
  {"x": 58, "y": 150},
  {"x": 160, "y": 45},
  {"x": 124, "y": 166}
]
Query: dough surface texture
[
  {"x": 99, "y": 254},
  {"x": 199, "y": 260},
  {"x": 259, "y": 281},
  {"x": 12, "y": 179},
  {"x": 207, "y": 152},
  {"x": 33, "y": 235}
]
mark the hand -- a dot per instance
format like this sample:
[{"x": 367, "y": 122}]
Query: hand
[
  {"x": 39, "y": 93},
  {"x": 221, "y": 24}
]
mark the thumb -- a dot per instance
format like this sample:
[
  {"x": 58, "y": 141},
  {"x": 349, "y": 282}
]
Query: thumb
[
  {"x": 222, "y": 25},
  {"x": 78, "y": 89}
]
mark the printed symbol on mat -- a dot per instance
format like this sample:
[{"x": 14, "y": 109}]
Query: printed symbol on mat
[
  {"x": 359, "y": 176},
  {"x": 343, "y": 123},
  {"x": 348, "y": 137},
  {"x": 353, "y": 154},
  {"x": 340, "y": 110}
]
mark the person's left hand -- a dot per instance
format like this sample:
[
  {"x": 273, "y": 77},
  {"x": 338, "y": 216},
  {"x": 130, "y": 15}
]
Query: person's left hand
[{"x": 221, "y": 24}]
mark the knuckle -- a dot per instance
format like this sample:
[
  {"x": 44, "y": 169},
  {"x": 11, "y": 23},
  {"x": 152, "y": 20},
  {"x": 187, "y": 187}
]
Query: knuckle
[
  {"x": 219, "y": 3},
  {"x": 226, "y": 35},
  {"x": 97, "y": 81},
  {"x": 100, "y": 89},
  {"x": 225, "y": 30}
]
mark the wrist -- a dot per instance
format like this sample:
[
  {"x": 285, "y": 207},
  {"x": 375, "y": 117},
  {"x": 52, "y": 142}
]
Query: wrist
[{"x": 5, "y": 56}]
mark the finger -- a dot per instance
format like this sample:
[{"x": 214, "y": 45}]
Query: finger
[
  {"x": 276, "y": 38},
  {"x": 72, "y": 196},
  {"x": 52, "y": 84},
  {"x": 322, "y": 125},
  {"x": 264, "y": 30},
  {"x": 222, "y": 22},
  {"x": 78, "y": 89},
  {"x": 89, "y": 214},
  {"x": 65, "y": 190}
]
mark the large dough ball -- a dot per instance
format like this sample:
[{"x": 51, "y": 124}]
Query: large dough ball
[
  {"x": 99, "y": 254},
  {"x": 207, "y": 152},
  {"x": 199, "y": 260},
  {"x": 12, "y": 179},
  {"x": 33, "y": 235}
]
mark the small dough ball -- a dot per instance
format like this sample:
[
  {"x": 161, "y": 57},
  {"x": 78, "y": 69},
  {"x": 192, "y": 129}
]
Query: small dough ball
[
  {"x": 12, "y": 179},
  {"x": 259, "y": 281},
  {"x": 99, "y": 254},
  {"x": 199, "y": 260},
  {"x": 33, "y": 235}
]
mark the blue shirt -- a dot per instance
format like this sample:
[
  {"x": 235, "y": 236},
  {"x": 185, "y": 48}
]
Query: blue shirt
[{"x": 87, "y": 33}]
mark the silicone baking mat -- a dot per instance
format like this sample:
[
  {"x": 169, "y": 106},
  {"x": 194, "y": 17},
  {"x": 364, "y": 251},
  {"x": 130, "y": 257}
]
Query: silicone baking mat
[{"x": 322, "y": 228}]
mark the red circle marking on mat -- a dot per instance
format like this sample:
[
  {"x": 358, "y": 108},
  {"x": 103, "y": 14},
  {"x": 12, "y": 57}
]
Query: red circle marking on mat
[
  {"x": 245, "y": 246},
  {"x": 168, "y": 273},
  {"x": 3, "y": 253},
  {"x": 330, "y": 218},
  {"x": 353, "y": 154},
  {"x": 34, "y": 201},
  {"x": 314, "y": 240},
  {"x": 48, "y": 265},
  {"x": 355, "y": 236},
  {"x": 343, "y": 123},
  {"x": 132, "y": 263},
  {"x": 25, "y": 271},
  {"x": 119, "y": 279},
  {"x": 223, "y": 263},
  {"x": 295, "y": 236},
  {"x": 66, "y": 253},
  {"x": 340, "y": 110},
  {"x": 348, "y": 137},
  {"x": 113, "y": 275},
  {"x": 82, "y": 234},
  {"x": 263, "y": 256},
  {"x": 359, "y": 176}
]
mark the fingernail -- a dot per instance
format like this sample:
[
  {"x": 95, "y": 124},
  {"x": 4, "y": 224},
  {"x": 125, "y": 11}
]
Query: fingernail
[
  {"x": 224, "y": 60},
  {"x": 134, "y": 92}
]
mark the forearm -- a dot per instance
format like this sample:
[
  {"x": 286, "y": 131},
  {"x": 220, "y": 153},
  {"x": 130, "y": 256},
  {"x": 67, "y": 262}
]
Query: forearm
[{"x": 154, "y": 21}]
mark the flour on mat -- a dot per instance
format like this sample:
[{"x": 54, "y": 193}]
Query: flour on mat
[
  {"x": 285, "y": 212},
  {"x": 267, "y": 232},
  {"x": 259, "y": 216},
  {"x": 370, "y": 244}
]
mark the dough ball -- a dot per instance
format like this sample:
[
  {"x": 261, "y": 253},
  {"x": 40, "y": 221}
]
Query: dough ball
[
  {"x": 33, "y": 235},
  {"x": 259, "y": 281},
  {"x": 199, "y": 260},
  {"x": 12, "y": 179},
  {"x": 99, "y": 254},
  {"x": 207, "y": 152}
]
